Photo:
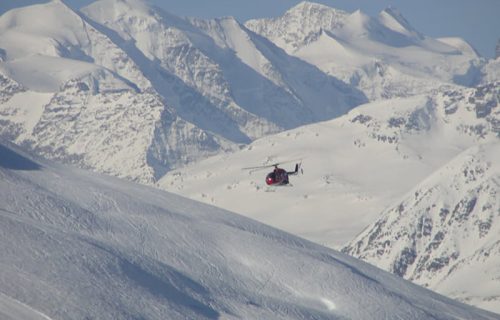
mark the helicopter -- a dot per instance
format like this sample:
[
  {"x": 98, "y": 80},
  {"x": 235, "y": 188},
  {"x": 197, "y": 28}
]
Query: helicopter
[{"x": 279, "y": 176}]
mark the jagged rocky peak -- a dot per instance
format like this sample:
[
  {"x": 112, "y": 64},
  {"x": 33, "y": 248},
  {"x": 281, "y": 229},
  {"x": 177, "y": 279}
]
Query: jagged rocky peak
[
  {"x": 316, "y": 16},
  {"x": 297, "y": 24},
  {"x": 312, "y": 9},
  {"x": 392, "y": 18}
]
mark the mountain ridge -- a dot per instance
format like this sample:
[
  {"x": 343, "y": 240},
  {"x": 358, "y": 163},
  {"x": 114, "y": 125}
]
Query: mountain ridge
[
  {"x": 387, "y": 40},
  {"x": 444, "y": 230}
]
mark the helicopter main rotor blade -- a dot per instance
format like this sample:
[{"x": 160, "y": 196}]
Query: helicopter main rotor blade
[
  {"x": 261, "y": 167},
  {"x": 272, "y": 165}
]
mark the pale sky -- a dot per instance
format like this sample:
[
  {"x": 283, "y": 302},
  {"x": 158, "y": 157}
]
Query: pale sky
[{"x": 476, "y": 21}]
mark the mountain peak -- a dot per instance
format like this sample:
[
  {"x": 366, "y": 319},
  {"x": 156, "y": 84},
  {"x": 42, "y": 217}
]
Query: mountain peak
[
  {"x": 313, "y": 9},
  {"x": 57, "y": 5},
  {"x": 392, "y": 19},
  {"x": 396, "y": 14},
  {"x": 121, "y": 6},
  {"x": 298, "y": 24},
  {"x": 28, "y": 12},
  {"x": 40, "y": 29},
  {"x": 307, "y": 5}
]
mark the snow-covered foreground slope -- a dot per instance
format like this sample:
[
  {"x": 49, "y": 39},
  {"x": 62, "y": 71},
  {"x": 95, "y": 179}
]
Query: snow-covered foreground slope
[
  {"x": 444, "y": 234},
  {"x": 11, "y": 309},
  {"x": 78, "y": 245},
  {"x": 354, "y": 166}
]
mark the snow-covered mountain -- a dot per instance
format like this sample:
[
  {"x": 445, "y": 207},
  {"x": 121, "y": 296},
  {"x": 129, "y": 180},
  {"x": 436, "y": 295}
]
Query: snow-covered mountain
[
  {"x": 443, "y": 234},
  {"x": 79, "y": 245},
  {"x": 383, "y": 56},
  {"x": 130, "y": 90},
  {"x": 263, "y": 88},
  {"x": 69, "y": 92},
  {"x": 393, "y": 143}
]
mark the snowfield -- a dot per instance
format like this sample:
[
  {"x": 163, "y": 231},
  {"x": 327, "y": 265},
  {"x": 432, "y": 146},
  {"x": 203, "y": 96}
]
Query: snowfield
[
  {"x": 80, "y": 245},
  {"x": 354, "y": 166}
]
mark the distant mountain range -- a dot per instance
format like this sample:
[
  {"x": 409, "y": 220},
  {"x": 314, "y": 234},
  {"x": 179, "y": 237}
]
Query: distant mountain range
[
  {"x": 384, "y": 56},
  {"x": 150, "y": 92},
  {"x": 184, "y": 93}
]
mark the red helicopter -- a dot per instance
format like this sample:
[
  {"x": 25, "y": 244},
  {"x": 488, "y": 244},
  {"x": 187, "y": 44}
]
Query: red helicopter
[{"x": 279, "y": 176}]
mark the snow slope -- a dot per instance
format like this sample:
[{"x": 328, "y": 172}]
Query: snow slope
[
  {"x": 79, "y": 245},
  {"x": 11, "y": 309},
  {"x": 354, "y": 166},
  {"x": 443, "y": 234}
]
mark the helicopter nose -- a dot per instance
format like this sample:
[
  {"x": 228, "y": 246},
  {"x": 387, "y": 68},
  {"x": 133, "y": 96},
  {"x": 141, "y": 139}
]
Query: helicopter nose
[{"x": 269, "y": 181}]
